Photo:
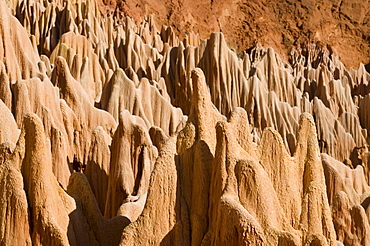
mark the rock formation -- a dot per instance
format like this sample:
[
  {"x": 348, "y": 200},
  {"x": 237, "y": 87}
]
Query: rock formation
[
  {"x": 344, "y": 25},
  {"x": 117, "y": 133}
]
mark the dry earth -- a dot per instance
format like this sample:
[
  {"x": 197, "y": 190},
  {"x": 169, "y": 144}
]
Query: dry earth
[{"x": 344, "y": 25}]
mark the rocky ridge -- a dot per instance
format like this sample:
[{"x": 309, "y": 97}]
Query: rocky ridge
[
  {"x": 121, "y": 134},
  {"x": 342, "y": 25}
]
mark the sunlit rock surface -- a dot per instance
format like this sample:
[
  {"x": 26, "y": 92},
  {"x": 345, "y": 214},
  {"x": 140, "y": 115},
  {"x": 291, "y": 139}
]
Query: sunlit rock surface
[{"x": 113, "y": 133}]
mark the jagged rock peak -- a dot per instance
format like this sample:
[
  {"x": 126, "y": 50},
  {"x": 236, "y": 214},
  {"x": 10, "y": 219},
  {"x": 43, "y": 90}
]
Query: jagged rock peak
[{"x": 118, "y": 133}]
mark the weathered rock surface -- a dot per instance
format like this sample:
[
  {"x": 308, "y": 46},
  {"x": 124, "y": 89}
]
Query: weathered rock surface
[
  {"x": 344, "y": 25},
  {"x": 113, "y": 133}
]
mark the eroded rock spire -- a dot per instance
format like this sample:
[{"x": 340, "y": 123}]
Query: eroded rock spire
[{"x": 182, "y": 141}]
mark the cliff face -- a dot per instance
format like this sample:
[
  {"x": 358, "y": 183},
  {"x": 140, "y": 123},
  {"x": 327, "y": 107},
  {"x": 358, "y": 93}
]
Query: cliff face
[
  {"x": 344, "y": 25},
  {"x": 114, "y": 133}
]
